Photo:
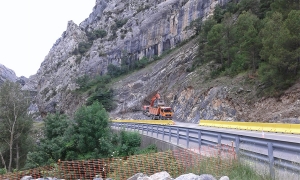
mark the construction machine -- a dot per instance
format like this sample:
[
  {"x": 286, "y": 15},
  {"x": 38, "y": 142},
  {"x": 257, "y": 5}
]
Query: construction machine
[
  {"x": 146, "y": 110},
  {"x": 158, "y": 110}
]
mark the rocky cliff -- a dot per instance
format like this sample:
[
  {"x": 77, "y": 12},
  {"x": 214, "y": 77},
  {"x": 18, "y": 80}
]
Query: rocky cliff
[
  {"x": 7, "y": 74},
  {"x": 137, "y": 28},
  {"x": 134, "y": 28}
]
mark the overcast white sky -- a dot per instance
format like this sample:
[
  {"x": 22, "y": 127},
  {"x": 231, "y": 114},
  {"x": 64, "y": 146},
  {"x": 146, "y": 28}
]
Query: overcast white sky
[{"x": 29, "y": 28}]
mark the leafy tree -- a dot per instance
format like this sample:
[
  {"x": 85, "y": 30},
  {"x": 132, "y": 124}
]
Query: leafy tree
[
  {"x": 285, "y": 6},
  {"x": 280, "y": 51},
  {"x": 89, "y": 135},
  {"x": 215, "y": 44},
  {"x": 129, "y": 143},
  {"x": 104, "y": 96},
  {"x": 264, "y": 7},
  {"x": 196, "y": 25},
  {"x": 247, "y": 32},
  {"x": 218, "y": 13},
  {"x": 292, "y": 23},
  {"x": 249, "y": 5},
  {"x": 206, "y": 27},
  {"x": 230, "y": 39},
  {"x": 53, "y": 146},
  {"x": 15, "y": 123}
]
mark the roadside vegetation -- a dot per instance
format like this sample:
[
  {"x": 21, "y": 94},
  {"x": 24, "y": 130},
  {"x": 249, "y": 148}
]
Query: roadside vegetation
[
  {"x": 86, "y": 136},
  {"x": 260, "y": 37}
]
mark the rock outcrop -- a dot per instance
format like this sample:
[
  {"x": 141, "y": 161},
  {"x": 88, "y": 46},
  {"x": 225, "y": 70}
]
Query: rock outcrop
[{"x": 7, "y": 74}]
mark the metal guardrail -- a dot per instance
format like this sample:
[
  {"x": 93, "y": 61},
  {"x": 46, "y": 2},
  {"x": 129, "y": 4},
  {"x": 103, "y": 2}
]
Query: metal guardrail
[
  {"x": 279, "y": 154},
  {"x": 254, "y": 126}
]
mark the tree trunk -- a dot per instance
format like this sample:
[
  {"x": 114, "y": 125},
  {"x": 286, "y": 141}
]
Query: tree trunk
[
  {"x": 11, "y": 143},
  {"x": 253, "y": 63},
  {"x": 11, "y": 148},
  {"x": 297, "y": 68},
  {"x": 3, "y": 161},
  {"x": 18, "y": 156}
]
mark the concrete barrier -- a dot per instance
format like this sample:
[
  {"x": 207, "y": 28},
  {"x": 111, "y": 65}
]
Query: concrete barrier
[{"x": 254, "y": 126}]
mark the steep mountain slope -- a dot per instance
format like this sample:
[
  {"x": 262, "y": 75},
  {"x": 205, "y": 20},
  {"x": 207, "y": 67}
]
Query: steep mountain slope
[
  {"x": 194, "y": 95},
  {"x": 119, "y": 32},
  {"x": 130, "y": 29}
]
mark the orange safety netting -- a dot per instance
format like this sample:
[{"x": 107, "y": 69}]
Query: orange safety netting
[{"x": 206, "y": 159}]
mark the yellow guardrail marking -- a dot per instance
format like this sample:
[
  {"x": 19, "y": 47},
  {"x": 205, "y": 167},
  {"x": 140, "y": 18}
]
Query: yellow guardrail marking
[
  {"x": 161, "y": 122},
  {"x": 254, "y": 126}
]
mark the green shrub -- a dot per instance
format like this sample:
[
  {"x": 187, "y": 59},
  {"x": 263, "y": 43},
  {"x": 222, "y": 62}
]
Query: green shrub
[
  {"x": 3, "y": 171},
  {"x": 83, "y": 47},
  {"x": 130, "y": 143},
  {"x": 82, "y": 81},
  {"x": 100, "y": 33},
  {"x": 148, "y": 150}
]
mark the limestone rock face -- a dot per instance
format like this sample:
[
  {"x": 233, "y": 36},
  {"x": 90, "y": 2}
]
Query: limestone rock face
[
  {"x": 55, "y": 78},
  {"x": 180, "y": 89},
  {"x": 7, "y": 74},
  {"x": 135, "y": 28}
]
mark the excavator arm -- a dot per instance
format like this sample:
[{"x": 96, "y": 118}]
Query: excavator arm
[{"x": 156, "y": 96}]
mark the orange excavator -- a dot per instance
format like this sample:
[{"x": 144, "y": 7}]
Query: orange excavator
[{"x": 158, "y": 110}]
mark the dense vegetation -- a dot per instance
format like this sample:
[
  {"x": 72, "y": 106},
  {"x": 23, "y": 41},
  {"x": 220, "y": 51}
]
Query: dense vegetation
[
  {"x": 86, "y": 136},
  {"x": 15, "y": 126},
  {"x": 260, "y": 37}
]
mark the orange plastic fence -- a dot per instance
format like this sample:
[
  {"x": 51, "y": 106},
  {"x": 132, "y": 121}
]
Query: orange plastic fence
[{"x": 201, "y": 160}]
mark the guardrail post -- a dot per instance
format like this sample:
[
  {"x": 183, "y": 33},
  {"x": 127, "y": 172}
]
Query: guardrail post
[
  {"x": 271, "y": 160},
  {"x": 199, "y": 139},
  {"x": 156, "y": 131},
  {"x": 177, "y": 136},
  {"x": 237, "y": 147},
  {"x": 147, "y": 129},
  {"x": 219, "y": 139},
  {"x": 169, "y": 134},
  {"x": 187, "y": 138},
  {"x": 163, "y": 133},
  {"x": 152, "y": 130},
  {"x": 143, "y": 129}
]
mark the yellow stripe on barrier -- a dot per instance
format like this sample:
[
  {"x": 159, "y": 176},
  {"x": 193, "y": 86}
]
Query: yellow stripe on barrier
[
  {"x": 161, "y": 122},
  {"x": 253, "y": 126}
]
